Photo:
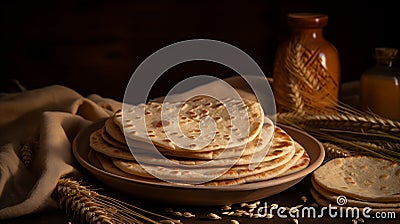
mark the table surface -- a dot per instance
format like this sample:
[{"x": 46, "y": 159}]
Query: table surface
[{"x": 288, "y": 198}]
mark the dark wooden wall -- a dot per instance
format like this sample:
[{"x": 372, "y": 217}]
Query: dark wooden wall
[{"x": 94, "y": 46}]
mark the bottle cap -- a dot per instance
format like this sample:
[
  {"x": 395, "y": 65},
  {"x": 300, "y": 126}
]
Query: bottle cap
[
  {"x": 307, "y": 20},
  {"x": 385, "y": 52}
]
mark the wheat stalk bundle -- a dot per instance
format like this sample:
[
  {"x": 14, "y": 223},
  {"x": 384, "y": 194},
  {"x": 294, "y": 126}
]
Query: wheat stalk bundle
[
  {"x": 87, "y": 206},
  {"x": 344, "y": 133}
]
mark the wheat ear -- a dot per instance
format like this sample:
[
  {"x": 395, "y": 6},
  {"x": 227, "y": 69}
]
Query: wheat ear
[
  {"x": 78, "y": 202},
  {"x": 27, "y": 150},
  {"x": 351, "y": 122},
  {"x": 334, "y": 151}
]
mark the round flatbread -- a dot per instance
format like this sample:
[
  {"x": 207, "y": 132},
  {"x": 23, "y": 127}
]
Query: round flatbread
[
  {"x": 282, "y": 145},
  {"x": 181, "y": 125},
  {"x": 301, "y": 164},
  {"x": 110, "y": 140},
  {"x": 323, "y": 202},
  {"x": 261, "y": 176},
  {"x": 175, "y": 173},
  {"x": 114, "y": 131},
  {"x": 350, "y": 201},
  {"x": 98, "y": 144},
  {"x": 166, "y": 173},
  {"x": 275, "y": 160},
  {"x": 242, "y": 171},
  {"x": 109, "y": 167},
  {"x": 361, "y": 177}
]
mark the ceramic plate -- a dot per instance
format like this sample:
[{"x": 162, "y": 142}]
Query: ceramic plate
[{"x": 199, "y": 195}]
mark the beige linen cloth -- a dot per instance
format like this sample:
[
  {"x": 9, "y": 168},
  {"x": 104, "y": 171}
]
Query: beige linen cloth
[{"x": 54, "y": 115}]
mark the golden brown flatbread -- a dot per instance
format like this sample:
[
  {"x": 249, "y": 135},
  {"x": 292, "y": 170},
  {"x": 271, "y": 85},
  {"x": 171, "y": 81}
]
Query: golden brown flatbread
[
  {"x": 361, "y": 177},
  {"x": 235, "y": 122}
]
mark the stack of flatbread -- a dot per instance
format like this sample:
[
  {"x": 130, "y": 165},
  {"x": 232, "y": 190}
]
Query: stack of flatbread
[
  {"x": 358, "y": 182},
  {"x": 173, "y": 142}
]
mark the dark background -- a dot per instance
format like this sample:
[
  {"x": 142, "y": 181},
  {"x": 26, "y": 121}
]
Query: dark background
[{"x": 94, "y": 46}]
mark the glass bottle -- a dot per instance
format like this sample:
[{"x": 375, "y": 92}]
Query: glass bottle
[
  {"x": 379, "y": 85},
  {"x": 306, "y": 73}
]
